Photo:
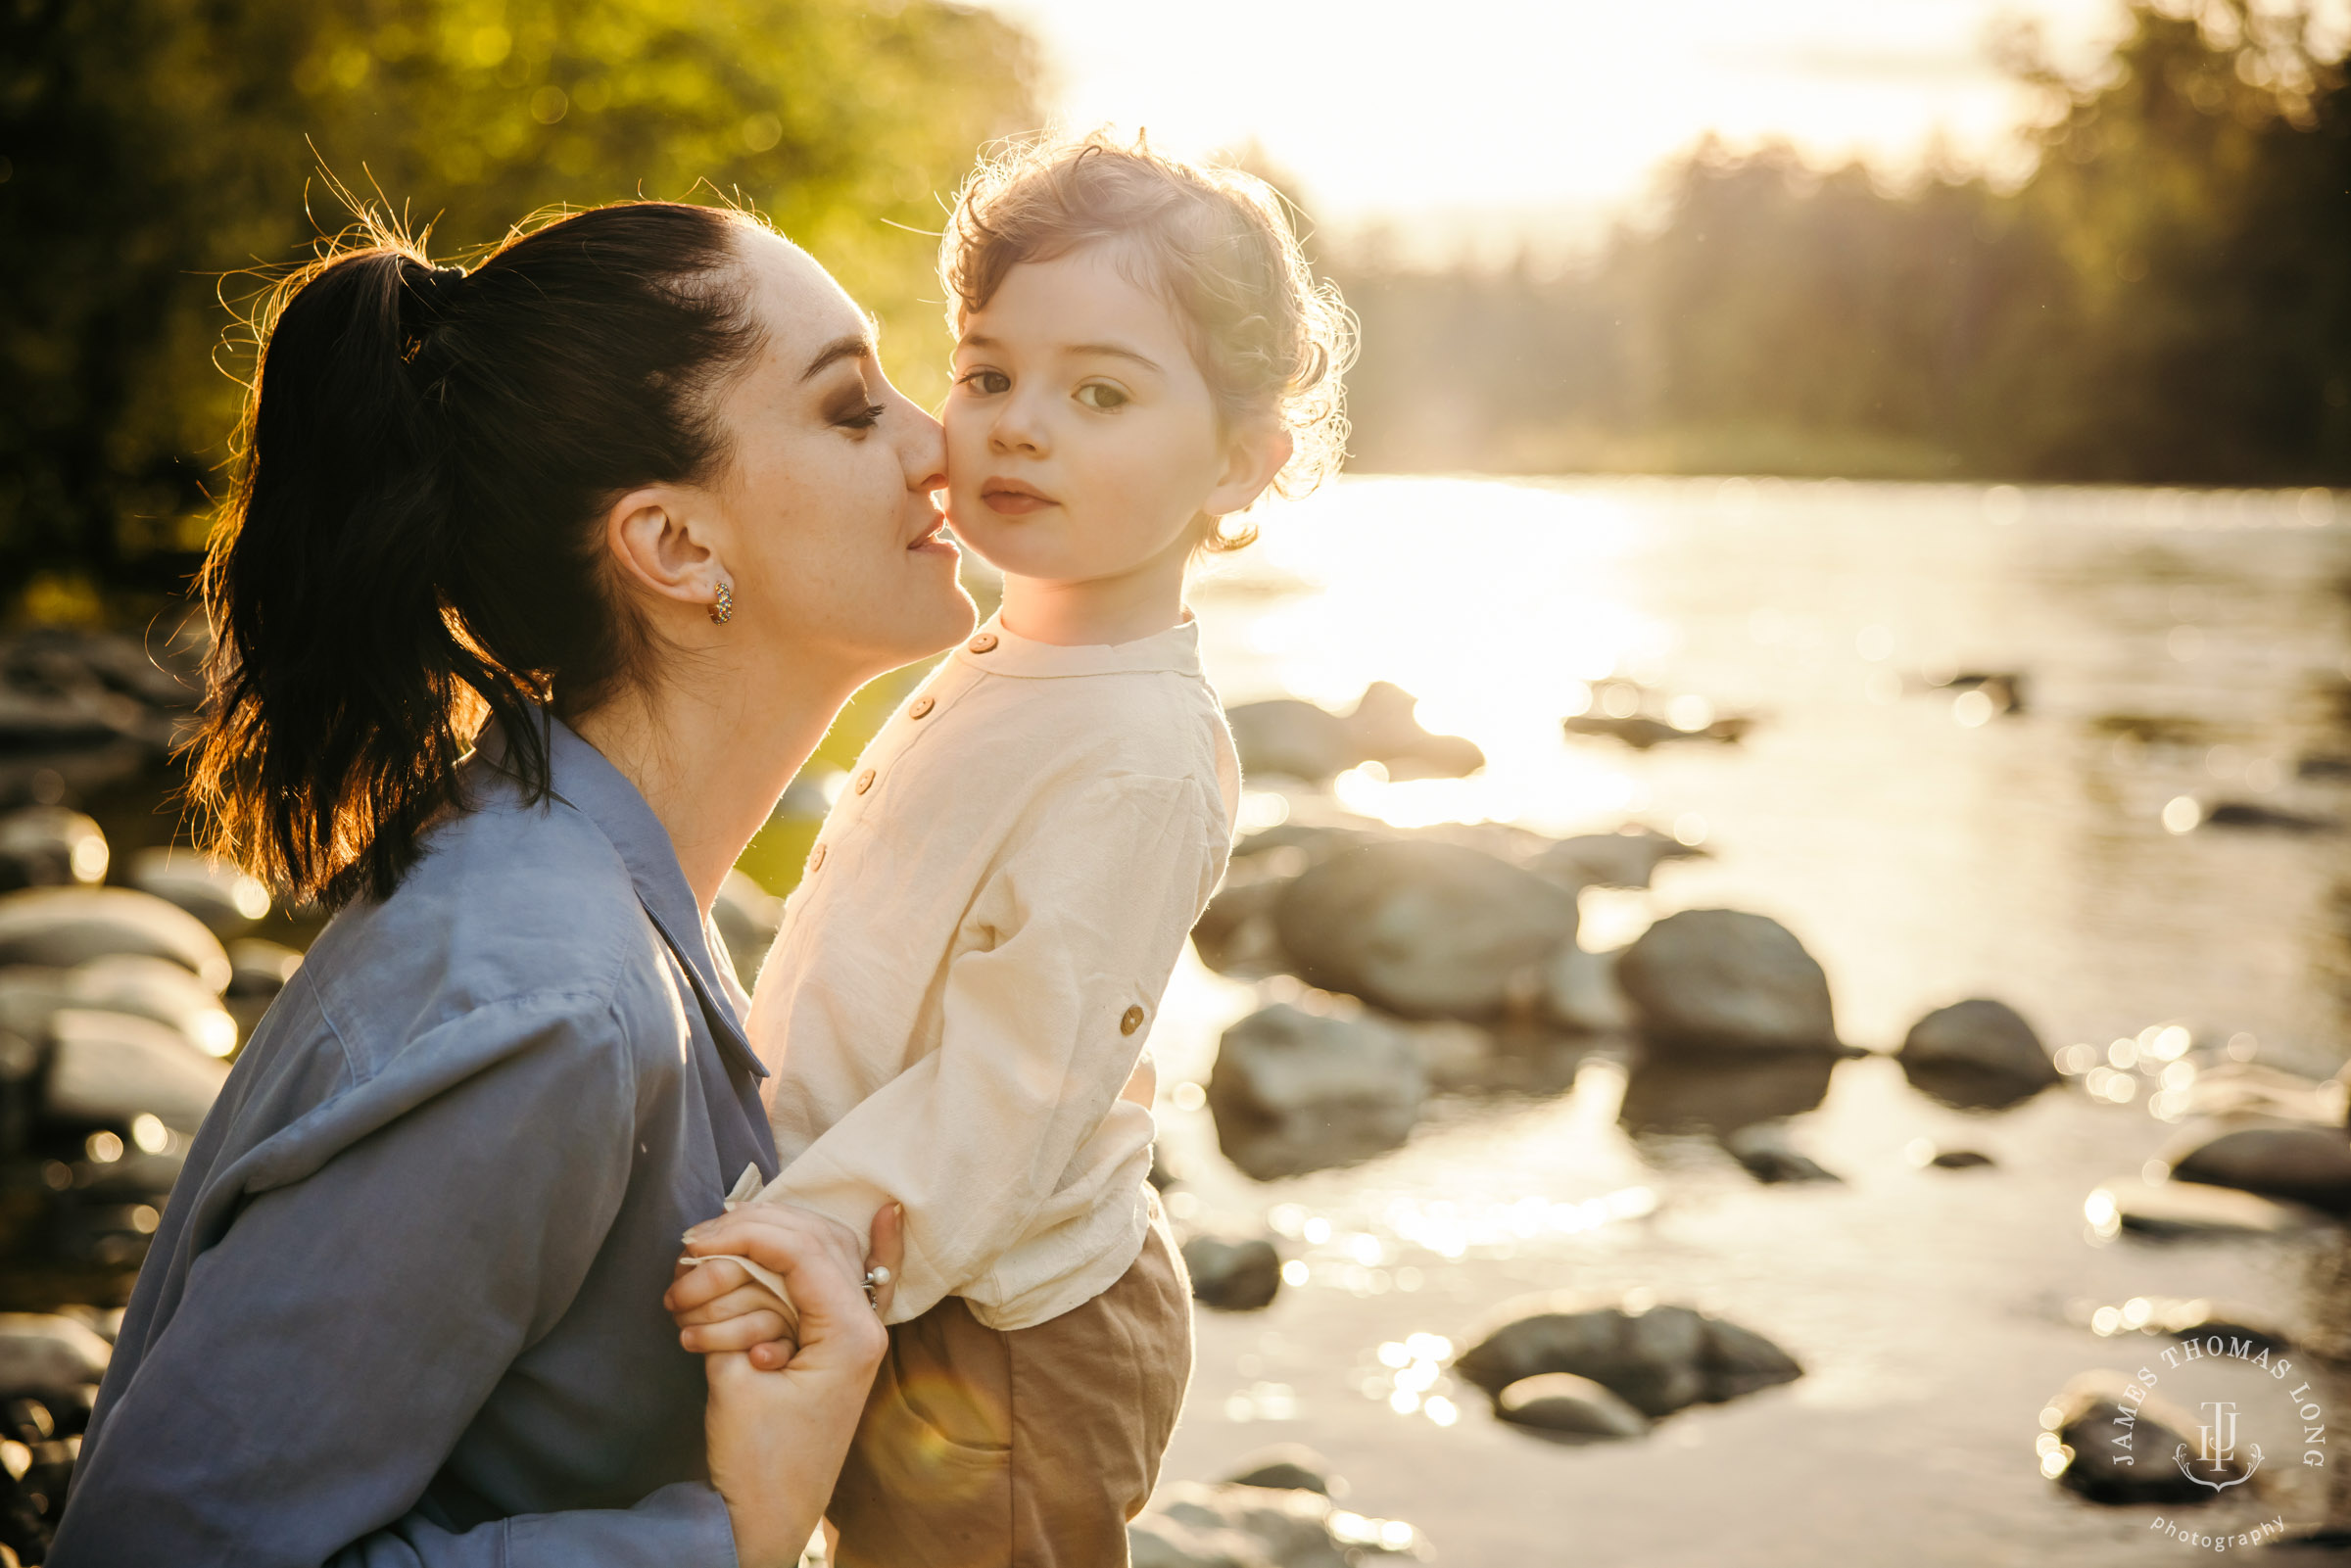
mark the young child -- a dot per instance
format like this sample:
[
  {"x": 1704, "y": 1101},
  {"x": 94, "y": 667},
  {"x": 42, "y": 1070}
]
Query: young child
[{"x": 957, "y": 1003}]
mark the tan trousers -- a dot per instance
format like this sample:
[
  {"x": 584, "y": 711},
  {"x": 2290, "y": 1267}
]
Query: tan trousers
[{"x": 1023, "y": 1449}]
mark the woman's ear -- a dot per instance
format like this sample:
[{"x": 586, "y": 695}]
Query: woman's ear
[
  {"x": 661, "y": 549},
  {"x": 1254, "y": 455}
]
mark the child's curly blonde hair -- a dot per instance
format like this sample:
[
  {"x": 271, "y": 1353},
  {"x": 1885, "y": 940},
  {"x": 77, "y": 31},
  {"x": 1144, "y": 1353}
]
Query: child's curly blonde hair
[{"x": 1268, "y": 336}]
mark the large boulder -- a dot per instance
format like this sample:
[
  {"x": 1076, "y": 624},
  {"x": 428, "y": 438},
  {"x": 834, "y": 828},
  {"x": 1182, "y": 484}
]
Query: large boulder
[
  {"x": 1658, "y": 1359},
  {"x": 212, "y": 889},
  {"x": 50, "y": 846},
  {"x": 2116, "y": 1443},
  {"x": 1386, "y": 725},
  {"x": 1294, "y": 1091},
  {"x": 107, "y": 1068},
  {"x": 2301, "y": 1164},
  {"x": 1560, "y": 1405},
  {"x": 1232, "y": 1274},
  {"x": 63, "y": 926},
  {"x": 1723, "y": 979},
  {"x": 1977, "y": 1051},
  {"x": 1195, "y": 1526},
  {"x": 1626, "y": 858},
  {"x": 1424, "y": 929},
  {"x": 1292, "y": 737},
  {"x": 48, "y": 1357}
]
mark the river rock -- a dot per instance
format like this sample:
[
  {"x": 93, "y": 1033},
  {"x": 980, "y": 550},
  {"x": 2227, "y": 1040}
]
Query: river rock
[
  {"x": 156, "y": 988},
  {"x": 1235, "y": 934},
  {"x": 1580, "y": 992},
  {"x": 1672, "y": 1093},
  {"x": 1233, "y": 1274},
  {"x": 1764, "y": 1149},
  {"x": 1294, "y": 1091},
  {"x": 49, "y": 846},
  {"x": 47, "y": 1355},
  {"x": 2301, "y": 1164},
  {"x": 105, "y": 1068},
  {"x": 1288, "y": 1529},
  {"x": 2124, "y": 1439},
  {"x": 1657, "y": 1359},
  {"x": 747, "y": 917},
  {"x": 1959, "y": 1158},
  {"x": 1287, "y": 1467},
  {"x": 1562, "y": 1404},
  {"x": 1626, "y": 858},
  {"x": 2190, "y": 1211},
  {"x": 1725, "y": 979},
  {"x": 1386, "y": 725},
  {"x": 1978, "y": 1038},
  {"x": 63, "y": 926},
  {"x": 1424, "y": 929},
  {"x": 1292, "y": 737},
  {"x": 206, "y": 886}
]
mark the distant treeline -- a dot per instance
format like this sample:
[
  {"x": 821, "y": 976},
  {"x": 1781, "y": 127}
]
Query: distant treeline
[{"x": 2167, "y": 299}]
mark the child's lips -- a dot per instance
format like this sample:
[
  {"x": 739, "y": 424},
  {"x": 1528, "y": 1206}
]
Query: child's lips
[{"x": 1012, "y": 499}]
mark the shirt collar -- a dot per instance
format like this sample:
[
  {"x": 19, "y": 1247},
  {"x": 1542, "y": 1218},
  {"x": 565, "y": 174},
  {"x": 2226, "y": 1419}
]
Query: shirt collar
[
  {"x": 581, "y": 776},
  {"x": 997, "y": 651}
]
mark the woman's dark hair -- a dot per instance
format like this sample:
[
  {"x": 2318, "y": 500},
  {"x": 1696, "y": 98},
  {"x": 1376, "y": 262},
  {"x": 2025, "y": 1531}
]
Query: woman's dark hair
[{"x": 413, "y": 542}]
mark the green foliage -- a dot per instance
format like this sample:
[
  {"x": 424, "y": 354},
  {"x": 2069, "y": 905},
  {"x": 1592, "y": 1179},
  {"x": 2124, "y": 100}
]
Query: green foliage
[
  {"x": 159, "y": 152},
  {"x": 2167, "y": 299}
]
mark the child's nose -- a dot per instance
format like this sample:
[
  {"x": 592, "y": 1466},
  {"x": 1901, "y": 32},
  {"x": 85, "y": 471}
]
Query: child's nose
[{"x": 1016, "y": 429}]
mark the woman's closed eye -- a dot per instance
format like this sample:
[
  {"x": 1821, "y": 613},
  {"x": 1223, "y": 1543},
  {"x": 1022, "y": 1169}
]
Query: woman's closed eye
[
  {"x": 862, "y": 416},
  {"x": 1102, "y": 395}
]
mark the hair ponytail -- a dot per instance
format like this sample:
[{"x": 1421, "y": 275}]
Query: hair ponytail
[{"x": 411, "y": 543}]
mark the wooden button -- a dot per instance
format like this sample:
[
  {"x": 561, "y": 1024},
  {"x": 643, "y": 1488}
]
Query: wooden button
[
  {"x": 918, "y": 707},
  {"x": 984, "y": 643},
  {"x": 865, "y": 781},
  {"x": 816, "y": 857},
  {"x": 1131, "y": 1022}
]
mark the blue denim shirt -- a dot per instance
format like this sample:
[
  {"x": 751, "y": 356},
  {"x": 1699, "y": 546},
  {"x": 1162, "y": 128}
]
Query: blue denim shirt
[{"x": 405, "y": 1306}]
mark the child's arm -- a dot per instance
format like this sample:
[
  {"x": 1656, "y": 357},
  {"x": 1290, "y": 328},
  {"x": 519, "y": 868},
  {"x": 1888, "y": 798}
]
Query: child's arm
[{"x": 1078, "y": 929}]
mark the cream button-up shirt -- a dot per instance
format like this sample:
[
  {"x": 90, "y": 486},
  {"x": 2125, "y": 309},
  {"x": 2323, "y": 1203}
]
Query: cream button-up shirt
[{"x": 965, "y": 979}]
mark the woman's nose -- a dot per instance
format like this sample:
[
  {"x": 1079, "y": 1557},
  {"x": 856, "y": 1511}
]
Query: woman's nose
[{"x": 922, "y": 446}]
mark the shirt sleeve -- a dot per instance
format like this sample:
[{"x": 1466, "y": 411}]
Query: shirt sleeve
[
  {"x": 338, "y": 1335},
  {"x": 1063, "y": 958}
]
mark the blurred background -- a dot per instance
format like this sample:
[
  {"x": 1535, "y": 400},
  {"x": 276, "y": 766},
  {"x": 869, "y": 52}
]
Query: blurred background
[{"x": 1790, "y": 942}]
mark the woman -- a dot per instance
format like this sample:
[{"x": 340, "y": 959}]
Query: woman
[{"x": 636, "y": 492}]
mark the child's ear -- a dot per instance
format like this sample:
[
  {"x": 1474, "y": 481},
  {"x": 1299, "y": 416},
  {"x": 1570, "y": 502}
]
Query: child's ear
[{"x": 1255, "y": 454}]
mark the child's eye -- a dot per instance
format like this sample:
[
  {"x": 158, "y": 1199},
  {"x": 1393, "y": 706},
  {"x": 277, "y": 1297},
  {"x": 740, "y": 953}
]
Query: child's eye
[
  {"x": 1100, "y": 396},
  {"x": 990, "y": 382}
]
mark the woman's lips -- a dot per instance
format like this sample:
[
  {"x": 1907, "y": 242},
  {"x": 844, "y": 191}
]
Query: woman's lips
[{"x": 936, "y": 541}]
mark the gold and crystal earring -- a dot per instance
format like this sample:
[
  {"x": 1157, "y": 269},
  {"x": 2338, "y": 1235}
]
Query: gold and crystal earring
[{"x": 722, "y": 609}]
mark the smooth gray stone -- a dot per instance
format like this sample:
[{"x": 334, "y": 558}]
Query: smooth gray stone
[
  {"x": 1658, "y": 1361},
  {"x": 1562, "y": 1404},
  {"x": 1628, "y": 858},
  {"x": 1982, "y": 1035},
  {"x": 63, "y": 926},
  {"x": 1422, "y": 929},
  {"x": 50, "y": 846},
  {"x": 1723, "y": 979},
  {"x": 1295, "y": 1091},
  {"x": 1764, "y": 1149},
  {"x": 2126, "y": 1462},
  {"x": 1959, "y": 1159},
  {"x": 48, "y": 1356},
  {"x": 1234, "y": 1275},
  {"x": 1385, "y": 728},
  {"x": 106, "y": 1069},
  {"x": 2298, "y": 1164},
  {"x": 1287, "y": 1467},
  {"x": 2191, "y": 1210},
  {"x": 1295, "y": 738},
  {"x": 206, "y": 886}
]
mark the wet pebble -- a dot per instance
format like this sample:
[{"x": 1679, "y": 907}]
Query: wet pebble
[
  {"x": 1234, "y": 1275},
  {"x": 1562, "y": 1404}
]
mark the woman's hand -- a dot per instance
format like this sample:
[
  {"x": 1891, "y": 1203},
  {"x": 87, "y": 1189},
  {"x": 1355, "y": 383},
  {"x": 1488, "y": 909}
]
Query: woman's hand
[
  {"x": 719, "y": 1307},
  {"x": 776, "y": 1439}
]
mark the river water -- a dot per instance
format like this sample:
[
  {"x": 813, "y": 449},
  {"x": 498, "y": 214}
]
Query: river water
[{"x": 2175, "y": 651}]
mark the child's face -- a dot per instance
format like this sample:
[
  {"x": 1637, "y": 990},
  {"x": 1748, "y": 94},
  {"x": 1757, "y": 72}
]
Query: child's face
[{"x": 1082, "y": 442}]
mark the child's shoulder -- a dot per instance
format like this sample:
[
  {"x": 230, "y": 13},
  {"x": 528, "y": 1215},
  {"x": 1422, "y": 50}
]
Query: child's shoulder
[{"x": 1155, "y": 722}]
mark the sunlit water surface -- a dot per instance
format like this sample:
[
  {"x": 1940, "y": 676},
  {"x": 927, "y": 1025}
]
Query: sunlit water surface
[{"x": 1924, "y": 850}]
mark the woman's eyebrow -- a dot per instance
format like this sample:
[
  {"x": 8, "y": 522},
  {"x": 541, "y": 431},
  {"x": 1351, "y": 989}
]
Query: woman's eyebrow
[{"x": 855, "y": 346}]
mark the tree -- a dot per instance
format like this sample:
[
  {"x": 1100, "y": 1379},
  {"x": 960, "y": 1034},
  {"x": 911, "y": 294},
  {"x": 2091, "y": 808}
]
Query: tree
[{"x": 157, "y": 155}]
